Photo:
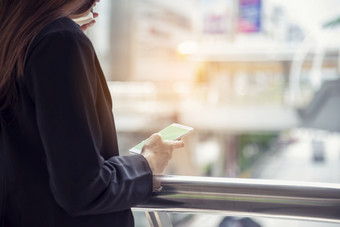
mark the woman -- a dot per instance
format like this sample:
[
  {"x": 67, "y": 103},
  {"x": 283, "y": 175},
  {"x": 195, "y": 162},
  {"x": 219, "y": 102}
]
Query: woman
[{"x": 59, "y": 163}]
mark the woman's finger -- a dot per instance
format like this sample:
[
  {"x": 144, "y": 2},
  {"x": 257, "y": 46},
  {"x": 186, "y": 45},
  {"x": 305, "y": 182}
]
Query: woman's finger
[{"x": 84, "y": 27}]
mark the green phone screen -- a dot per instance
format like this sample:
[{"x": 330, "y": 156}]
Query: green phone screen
[{"x": 169, "y": 133}]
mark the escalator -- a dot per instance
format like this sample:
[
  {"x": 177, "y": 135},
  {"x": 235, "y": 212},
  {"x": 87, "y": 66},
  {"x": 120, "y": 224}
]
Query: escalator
[{"x": 323, "y": 111}]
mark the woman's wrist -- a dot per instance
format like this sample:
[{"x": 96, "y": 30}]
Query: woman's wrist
[{"x": 157, "y": 187}]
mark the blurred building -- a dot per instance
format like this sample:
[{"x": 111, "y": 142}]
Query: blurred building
[
  {"x": 144, "y": 36},
  {"x": 223, "y": 66}
]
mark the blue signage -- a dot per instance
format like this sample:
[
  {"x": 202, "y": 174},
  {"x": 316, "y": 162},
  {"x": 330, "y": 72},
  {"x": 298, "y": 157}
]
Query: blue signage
[{"x": 249, "y": 16}]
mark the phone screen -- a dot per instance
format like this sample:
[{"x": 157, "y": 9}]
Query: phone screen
[{"x": 172, "y": 132}]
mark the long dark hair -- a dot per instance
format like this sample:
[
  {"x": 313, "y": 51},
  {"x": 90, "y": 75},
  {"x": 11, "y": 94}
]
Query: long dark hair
[{"x": 20, "y": 22}]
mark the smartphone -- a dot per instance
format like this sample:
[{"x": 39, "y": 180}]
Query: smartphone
[
  {"x": 172, "y": 132},
  {"x": 84, "y": 20}
]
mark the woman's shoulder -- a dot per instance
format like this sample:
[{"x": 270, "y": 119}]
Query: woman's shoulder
[
  {"x": 63, "y": 24},
  {"x": 61, "y": 30}
]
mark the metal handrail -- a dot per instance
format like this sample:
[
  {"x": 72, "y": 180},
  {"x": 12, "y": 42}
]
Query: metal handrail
[{"x": 246, "y": 197}]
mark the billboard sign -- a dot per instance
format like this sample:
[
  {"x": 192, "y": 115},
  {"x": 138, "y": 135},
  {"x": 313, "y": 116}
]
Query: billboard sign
[{"x": 249, "y": 20}]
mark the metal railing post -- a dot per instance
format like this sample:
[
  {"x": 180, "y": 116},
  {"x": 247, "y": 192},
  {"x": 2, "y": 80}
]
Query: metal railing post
[{"x": 158, "y": 219}]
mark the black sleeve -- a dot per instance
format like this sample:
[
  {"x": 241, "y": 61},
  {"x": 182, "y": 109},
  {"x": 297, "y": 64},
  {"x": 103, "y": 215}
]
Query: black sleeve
[{"x": 61, "y": 78}]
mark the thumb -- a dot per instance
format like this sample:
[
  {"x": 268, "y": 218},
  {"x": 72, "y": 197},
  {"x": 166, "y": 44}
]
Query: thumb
[{"x": 176, "y": 144}]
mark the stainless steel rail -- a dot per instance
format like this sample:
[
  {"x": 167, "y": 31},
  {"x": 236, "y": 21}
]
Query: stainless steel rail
[{"x": 247, "y": 197}]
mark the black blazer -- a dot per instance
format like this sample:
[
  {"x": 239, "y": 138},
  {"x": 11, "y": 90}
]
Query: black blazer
[{"x": 58, "y": 148}]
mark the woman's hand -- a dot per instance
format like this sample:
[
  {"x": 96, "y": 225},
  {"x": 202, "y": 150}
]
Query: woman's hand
[
  {"x": 86, "y": 26},
  {"x": 158, "y": 152}
]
